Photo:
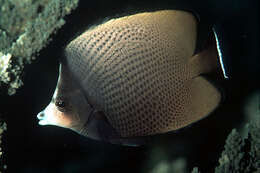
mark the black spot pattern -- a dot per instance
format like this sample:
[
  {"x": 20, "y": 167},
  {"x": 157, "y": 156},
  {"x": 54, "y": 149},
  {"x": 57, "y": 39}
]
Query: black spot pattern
[{"x": 135, "y": 72}]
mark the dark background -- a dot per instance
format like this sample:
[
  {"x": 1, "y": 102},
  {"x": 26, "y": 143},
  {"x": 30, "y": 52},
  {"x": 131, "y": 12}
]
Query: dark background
[{"x": 32, "y": 148}]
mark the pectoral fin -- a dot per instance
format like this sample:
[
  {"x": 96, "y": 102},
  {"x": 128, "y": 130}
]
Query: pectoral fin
[{"x": 99, "y": 128}]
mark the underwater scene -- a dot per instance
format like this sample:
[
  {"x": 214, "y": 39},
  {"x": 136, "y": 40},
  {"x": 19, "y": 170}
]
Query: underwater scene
[{"x": 169, "y": 86}]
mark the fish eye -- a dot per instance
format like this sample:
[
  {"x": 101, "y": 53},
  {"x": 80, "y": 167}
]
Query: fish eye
[{"x": 60, "y": 103}]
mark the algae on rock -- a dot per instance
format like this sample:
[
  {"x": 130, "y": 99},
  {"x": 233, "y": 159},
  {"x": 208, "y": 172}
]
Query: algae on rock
[
  {"x": 25, "y": 28},
  {"x": 241, "y": 155},
  {"x": 3, "y": 128}
]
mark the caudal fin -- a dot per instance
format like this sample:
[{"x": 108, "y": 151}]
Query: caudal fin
[{"x": 204, "y": 62}]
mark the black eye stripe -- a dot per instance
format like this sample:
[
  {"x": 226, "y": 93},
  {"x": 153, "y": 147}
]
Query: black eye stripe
[{"x": 60, "y": 103}]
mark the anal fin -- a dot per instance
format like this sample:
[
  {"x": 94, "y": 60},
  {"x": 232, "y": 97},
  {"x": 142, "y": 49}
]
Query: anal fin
[{"x": 205, "y": 98}]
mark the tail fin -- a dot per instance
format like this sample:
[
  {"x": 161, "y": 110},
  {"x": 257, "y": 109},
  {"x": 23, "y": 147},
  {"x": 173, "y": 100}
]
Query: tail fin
[
  {"x": 204, "y": 62},
  {"x": 205, "y": 96}
]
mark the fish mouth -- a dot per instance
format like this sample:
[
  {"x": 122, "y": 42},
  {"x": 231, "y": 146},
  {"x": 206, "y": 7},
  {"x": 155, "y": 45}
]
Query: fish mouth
[
  {"x": 42, "y": 119},
  {"x": 40, "y": 116}
]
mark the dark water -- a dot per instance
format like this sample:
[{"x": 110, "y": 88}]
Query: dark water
[{"x": 33, "y": 148}]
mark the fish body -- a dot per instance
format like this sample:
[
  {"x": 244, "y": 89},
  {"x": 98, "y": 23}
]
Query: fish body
[{"x": 132, "y": 77}]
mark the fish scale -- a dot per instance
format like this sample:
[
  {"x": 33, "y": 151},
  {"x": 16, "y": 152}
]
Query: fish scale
[{"x": 138, "y": 48}]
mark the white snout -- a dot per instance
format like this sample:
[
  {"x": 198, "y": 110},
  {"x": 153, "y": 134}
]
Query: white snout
[
  {"x": 46, "y": 116},
  {"x": 52, "y": 116},
  {"x": 42, "y": 119}
]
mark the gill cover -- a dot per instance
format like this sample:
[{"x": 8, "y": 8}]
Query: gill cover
[
  {"x": 67, "y": 105},
  {"x": 69, "y": 108}
]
